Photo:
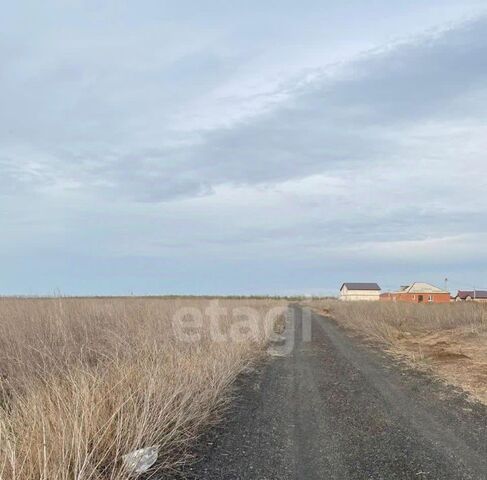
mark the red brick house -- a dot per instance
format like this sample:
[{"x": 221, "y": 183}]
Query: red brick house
[{"x": 418, "y": 292}]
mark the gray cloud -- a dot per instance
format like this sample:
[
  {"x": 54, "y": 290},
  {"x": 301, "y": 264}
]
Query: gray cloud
[
  {"x": 189, "y": 141},
  {"x": 358, "y": 118},
  {"x": 328, "y": 124}
]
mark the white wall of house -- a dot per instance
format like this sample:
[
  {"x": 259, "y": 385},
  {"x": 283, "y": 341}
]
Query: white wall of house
[
  {"x": 478, "y": 300},
  {"x": 359, "y": 295},
  {"x": 469, "y": 298}
]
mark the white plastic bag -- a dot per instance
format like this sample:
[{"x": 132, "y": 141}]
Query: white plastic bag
[{"x": 139, "y": 461}]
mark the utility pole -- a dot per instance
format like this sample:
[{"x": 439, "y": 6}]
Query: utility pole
[{"x": 446, "y": 284}]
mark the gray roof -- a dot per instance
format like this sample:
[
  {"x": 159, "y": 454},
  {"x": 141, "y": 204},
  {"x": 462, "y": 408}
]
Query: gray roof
[
  {"x": 421, "y": 287},
  {"x": 361, "y": 286}
]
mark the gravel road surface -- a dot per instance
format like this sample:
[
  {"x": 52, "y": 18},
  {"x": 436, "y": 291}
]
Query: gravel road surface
[{"x": 333, "y": 408}]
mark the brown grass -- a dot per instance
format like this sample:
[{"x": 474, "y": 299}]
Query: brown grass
[
  {"x": 85, "y": 381},
  {"x": 449, "y": 340}
]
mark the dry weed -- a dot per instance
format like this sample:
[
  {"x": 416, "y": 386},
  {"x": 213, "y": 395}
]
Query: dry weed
[{"x": 85, "y": 381}]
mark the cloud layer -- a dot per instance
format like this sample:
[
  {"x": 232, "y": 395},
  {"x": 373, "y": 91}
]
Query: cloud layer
[{"x": 198, "y": 147}]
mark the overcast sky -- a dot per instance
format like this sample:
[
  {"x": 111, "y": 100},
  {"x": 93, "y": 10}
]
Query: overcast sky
[{"x": 241, "y": 147}]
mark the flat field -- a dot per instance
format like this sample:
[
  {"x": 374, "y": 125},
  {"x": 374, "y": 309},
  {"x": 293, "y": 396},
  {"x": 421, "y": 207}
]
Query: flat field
[
  {"x": 84, "y": 382},
  {"x": 449, "y": 341}
]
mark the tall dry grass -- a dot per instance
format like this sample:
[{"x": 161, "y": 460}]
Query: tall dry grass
[
  {"x": 85, "y": 381},
  {"x": 386, "y": 321}
]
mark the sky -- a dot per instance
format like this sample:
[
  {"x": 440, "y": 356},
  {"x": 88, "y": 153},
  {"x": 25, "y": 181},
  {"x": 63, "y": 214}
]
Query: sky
[{"x": 246, "y": 147}]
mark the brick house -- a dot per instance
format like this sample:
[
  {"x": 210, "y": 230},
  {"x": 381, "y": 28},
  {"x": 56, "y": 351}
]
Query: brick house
[{"x": 418, "y": 292}]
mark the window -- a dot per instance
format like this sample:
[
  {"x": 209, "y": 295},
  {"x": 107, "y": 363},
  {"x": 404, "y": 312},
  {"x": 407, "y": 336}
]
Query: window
[{"x": 430, "y": 298}]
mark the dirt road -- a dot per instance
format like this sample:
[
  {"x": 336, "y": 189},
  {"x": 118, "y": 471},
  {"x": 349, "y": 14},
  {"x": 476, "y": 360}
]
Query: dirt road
[{"x": 334, "y": 409}]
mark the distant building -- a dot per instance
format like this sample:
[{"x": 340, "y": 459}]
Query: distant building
[
  {"x": 418, "y": 292},
  {"x": 359, "y": 291},
  {"x": 471, "y": 296}
]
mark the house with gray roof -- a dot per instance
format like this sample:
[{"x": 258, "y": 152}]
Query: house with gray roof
[{"x": 359, "y": 291}]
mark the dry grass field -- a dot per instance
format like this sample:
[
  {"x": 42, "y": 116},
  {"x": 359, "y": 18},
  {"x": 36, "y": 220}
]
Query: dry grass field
[
  {"x": 85, "y": 381},
  {"x": 448, "y": 340}
]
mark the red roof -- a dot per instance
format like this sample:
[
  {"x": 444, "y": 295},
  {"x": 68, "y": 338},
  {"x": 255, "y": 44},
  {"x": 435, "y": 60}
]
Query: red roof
[{"x": 463, "y": 294}]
